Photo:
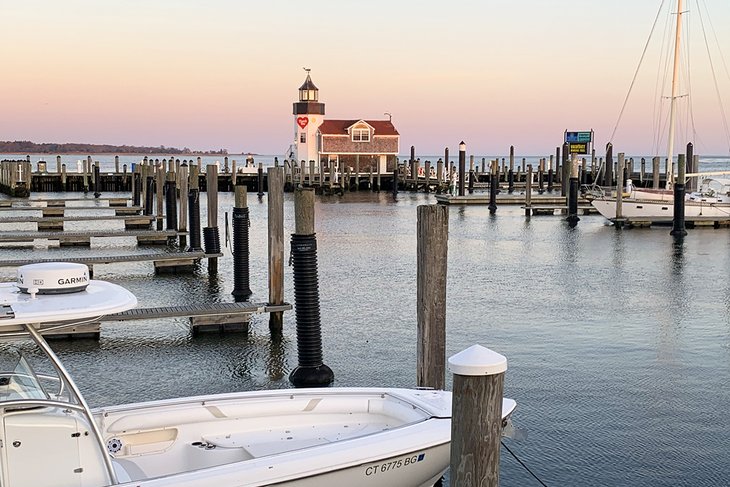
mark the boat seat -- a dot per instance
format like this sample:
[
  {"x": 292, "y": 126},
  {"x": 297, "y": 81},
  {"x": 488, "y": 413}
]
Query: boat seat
[{"x": 127, "y": 470}]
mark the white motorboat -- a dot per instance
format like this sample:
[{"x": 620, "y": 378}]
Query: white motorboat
[{"x": 302, "y": 437}]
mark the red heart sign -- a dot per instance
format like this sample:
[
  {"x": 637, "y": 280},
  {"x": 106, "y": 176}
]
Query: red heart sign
[{"x": 302, "y": 121}]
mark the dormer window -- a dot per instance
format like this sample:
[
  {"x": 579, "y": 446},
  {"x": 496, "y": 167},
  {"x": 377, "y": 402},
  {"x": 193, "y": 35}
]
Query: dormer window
[{"x": 361, "y": 135}]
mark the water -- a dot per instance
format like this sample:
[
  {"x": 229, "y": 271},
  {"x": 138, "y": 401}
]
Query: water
[{"x": 618, "y": 342}]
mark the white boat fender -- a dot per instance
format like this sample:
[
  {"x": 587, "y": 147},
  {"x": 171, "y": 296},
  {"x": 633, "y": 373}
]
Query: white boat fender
[{"x": 52, "y": 278}]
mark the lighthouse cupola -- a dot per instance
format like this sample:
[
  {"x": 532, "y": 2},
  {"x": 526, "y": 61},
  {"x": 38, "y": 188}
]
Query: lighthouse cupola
[
  {"x": 308, "y": 92},
  {"x": 308, "y": 116}
]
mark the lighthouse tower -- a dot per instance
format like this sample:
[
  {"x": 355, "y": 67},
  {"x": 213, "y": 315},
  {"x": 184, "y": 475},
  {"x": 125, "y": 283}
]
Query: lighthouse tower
[{"x": 308, "y": 116}]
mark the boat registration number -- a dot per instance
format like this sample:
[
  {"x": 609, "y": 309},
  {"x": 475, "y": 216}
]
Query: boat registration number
[{"x": 394, "y": 464}]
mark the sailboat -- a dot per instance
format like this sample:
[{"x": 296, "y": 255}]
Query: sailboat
[
  {"x": 646, "y": 206},
  {"x": 304, "y": 437}
]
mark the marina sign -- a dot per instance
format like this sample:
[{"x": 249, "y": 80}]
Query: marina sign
[{"x": 579, "y": 142}]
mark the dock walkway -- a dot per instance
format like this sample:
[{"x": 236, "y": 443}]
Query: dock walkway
[{"x": 84, "y": 238}]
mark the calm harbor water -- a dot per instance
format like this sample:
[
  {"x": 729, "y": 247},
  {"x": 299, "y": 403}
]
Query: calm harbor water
[{"x": 618, "y": 342}]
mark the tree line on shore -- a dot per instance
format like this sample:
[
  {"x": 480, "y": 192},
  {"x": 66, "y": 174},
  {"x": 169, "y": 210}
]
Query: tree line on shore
[{"x": 25, "y": 146}]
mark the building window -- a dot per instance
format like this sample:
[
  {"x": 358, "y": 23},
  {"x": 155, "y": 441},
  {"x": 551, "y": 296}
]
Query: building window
[
  {"x": 360, "y": 135},
  {"x": 303, "y": 138}
]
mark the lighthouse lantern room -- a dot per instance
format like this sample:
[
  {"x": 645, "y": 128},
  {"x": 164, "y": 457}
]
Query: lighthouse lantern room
[{"x": 308, "y": 116}]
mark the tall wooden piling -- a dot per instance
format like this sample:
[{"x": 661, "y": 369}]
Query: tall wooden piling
[
  {"x": 431, "y": 253},
  {"x": 261, "y": 180},
  {"x": 619, "y": 220},
  {"x": 528, "y": 191},
  {"x": 211, "y": 237},
  {"x": 655, "y": 172},
  {"x": 608, "y": 172},
  {"x": 159, "y": 186},
  {"x": 493, "y": 185},
  {"x": 690, "y": 161},
  {"x": 183, "y": 192},
  {"x": 476, "y": 425},
  {"x": 462, "y": 167},
  {"x": 573, "y": 189},
  {"x": 276, "y": 247},
  {"x": 511, "y": 172}
]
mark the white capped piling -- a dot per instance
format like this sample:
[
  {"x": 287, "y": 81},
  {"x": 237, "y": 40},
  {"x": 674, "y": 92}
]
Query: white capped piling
[
  {"x": 678, "y": 227},
  {"x": 476, "y": 423},
  {"x": 431, "y": 256},
  {"x": 275, "y": 176},
  {"x": 462, "y": 167}
]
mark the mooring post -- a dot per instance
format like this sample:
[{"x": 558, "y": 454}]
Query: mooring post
[
  {"x": 471, "y": 175},
  {"x": 171, "y": 201},
  {"x": 149, "y": 195},
  {"x": 540, "y": 176},
  {"x": 476, "y": 424},
  {"x": 608, "y": 172},
  {"x": 87, "y": 168},
  {"x": 439, "y": 175},
  {"x": 431, "y": 253},
  {"x": 550, "y": 175},
  {"x": 311, "y": 370},
  {"x": 565, "y": 175},
  {"x": 462, "y": 167},
  {"x": 557, "y": 165},
  {"x": 58, "y": 164},
  {"x": 493, "y": 185},
  {"x": 159, "y": 187},
  {"x": 573, "y": 189},
  {"x": 211, "y": 237},
  {"x": 276, "y": 248},
  {"x": 96, "y": 180},
  {"x": 619, "y": 220},
  {"x": 395, "y": 182},
  {"x": 261, "y": 180},
  {"x": 194, "y": 207},
  {"x": 691, "y": 168},
  {"x": 241, "y": 281},
  {"x": 678, "y": 227},
  {"x": 528, "y": 191},
  {"x": 183, "y": 219},
  {"x": 511, "y": 172}
]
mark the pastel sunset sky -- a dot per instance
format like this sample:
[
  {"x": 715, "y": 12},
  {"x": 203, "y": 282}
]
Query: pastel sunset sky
[{"x": 224, "y": 73}]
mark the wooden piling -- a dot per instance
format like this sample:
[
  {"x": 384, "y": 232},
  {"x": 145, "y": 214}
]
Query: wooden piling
[
  {"x": 183, "y": 203},
  {"x": 528, "y": 190},
  {"x": 462, "y": 167},
  {"x": 619, "y": 190},
  {"x": 159, "y": 181},
  {"x": 431, "y": 253},
  {"x": 276, "y": 247},
  {"x": 476, "y": 426}
]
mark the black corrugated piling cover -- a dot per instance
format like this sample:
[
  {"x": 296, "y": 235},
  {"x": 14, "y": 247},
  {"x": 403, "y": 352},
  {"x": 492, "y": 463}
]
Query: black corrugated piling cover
[
  {"x": 212, "y": 242},
  {"x": 573, "y": 189},
  {"x": 171, "y": 205},
  {"x": 678, "y": 226},
  {"x": 194, "y": 220},
  {"x": 97, "y": 182},
  {"x": 149, "y": 195},
  {"x": 241, "y": 281},
  {"x": 311, "y": 371},
  {"x": 136, "y": 195}
]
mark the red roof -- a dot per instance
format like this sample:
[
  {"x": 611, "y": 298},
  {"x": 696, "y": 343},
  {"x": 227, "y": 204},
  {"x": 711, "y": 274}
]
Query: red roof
[{"x": 339, "y": 127}]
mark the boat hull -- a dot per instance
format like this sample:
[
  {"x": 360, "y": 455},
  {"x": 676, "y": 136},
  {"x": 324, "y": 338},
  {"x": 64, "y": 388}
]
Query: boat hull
[{"x": 659, "y": 211}]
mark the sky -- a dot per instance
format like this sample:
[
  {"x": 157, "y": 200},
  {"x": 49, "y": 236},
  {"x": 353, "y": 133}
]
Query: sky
[{"x": 214, "y": 74}]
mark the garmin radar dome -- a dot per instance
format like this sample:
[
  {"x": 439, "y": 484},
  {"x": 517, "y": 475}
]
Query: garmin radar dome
[{"x": 52, "y": 278}]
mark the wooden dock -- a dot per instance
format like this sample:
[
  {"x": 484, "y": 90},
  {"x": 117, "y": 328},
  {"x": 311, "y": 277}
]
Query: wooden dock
[
  {"x": 61, "y": 210},
  {"x": 144, "y": 237},
  {"x": 204, "y": 317},
  {"x": 171, "y": 262},
  {"x": 56, "y": 202},
  {"x": 57, "y": 222},
  {"x": 502, "y": 199}
]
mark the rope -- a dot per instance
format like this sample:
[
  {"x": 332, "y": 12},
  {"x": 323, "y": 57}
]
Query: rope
[
  {"x": 636, "y": 73},
  {"x": 714, "y": 77},
  {"x": 523, "y": 464}
]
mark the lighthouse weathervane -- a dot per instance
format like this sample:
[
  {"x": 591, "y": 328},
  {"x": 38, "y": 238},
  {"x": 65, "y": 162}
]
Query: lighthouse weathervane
[{"x": 308, "y": 116}]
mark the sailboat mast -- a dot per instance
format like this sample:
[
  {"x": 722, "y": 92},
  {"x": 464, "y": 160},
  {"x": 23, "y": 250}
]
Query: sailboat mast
[{"x": 673, "y": 101}]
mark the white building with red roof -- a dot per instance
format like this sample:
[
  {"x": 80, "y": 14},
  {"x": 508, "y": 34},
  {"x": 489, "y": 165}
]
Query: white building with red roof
[{"x": 356, "y": 142}]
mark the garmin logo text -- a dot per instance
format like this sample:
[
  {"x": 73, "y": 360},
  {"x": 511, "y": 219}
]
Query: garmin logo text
[{"x": 73, "y": 280}]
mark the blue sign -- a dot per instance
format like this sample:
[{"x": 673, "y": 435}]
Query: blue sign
[{"x": 576, "y": 137}]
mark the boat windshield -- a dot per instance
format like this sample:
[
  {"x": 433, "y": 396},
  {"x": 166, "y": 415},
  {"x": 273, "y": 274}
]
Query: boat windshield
[{"x": 19, "y": 380}]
